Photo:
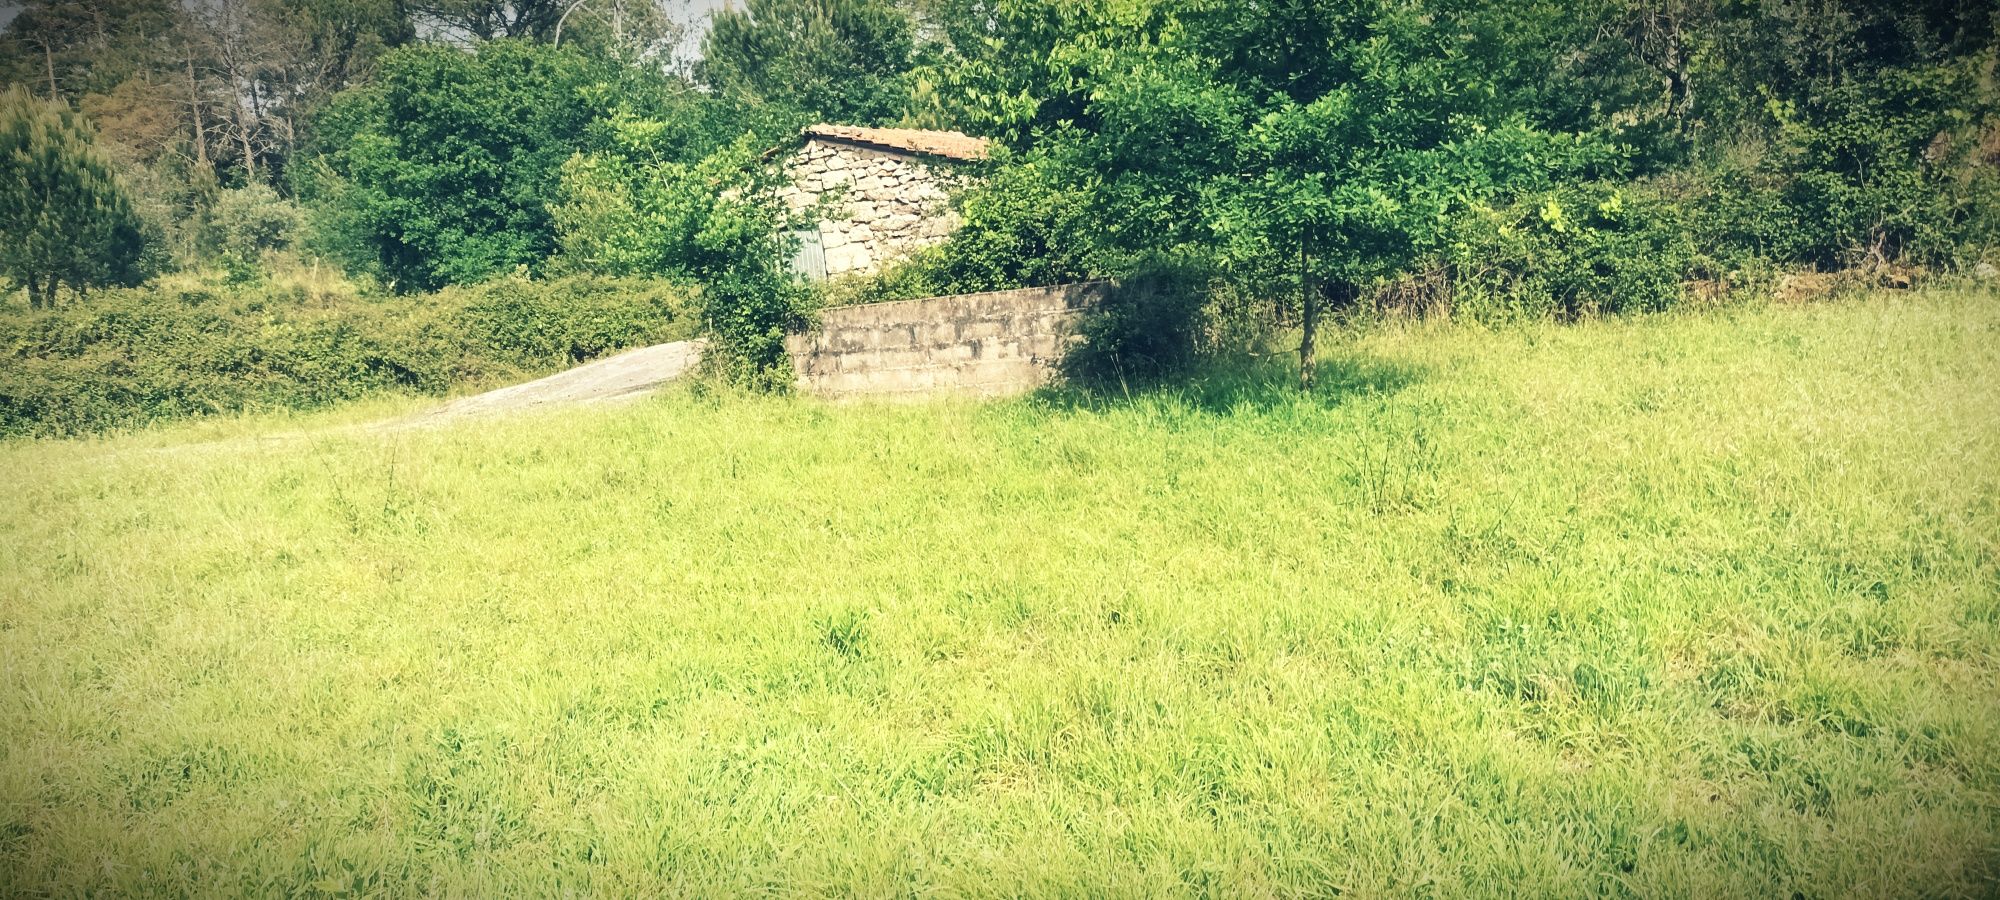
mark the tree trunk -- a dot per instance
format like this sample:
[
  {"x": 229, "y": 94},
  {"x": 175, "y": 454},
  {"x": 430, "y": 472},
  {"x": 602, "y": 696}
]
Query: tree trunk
[
  {"x": 194, "y": 102},
  {"x": 1308, "y": 318},
  {"x": 238, "y": 72},
  {"x": 243, "y": 132},
  {"x": 49, "y": 59},
  {"x": 35, "y": 291}
]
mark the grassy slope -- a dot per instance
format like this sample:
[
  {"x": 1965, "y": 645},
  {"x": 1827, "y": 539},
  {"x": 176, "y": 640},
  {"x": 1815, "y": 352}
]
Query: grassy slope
[{"x": 1678, "y": 605}]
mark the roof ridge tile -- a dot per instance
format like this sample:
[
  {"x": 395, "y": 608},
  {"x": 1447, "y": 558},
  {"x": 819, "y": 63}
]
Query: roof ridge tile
[{"x": 947, "y": 144}]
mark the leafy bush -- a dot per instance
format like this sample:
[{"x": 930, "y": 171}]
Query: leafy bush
[
  {"x": 1026, "y": 225},
  {"x": 188, "y": 347},
  {"x": 1149, "y": 325},
  {"x": 245, "y": 223},
  {"x": 1873, "y": 172},
  {"x": 564, "y": 321},
  {"x": 715, "y": 222},
  {"x": 1567, "y": 252}
]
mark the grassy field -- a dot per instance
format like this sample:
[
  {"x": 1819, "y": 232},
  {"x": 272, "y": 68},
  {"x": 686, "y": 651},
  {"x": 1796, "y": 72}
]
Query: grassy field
[{"x": 1690, "y": 605}]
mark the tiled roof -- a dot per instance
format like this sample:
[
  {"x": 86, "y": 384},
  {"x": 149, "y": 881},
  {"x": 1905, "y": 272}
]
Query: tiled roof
[{"x": 948, "y": 144}]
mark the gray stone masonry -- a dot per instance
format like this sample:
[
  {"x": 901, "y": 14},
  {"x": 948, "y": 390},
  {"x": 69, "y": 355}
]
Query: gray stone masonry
[
  {"x": 886, "y": 205},
  {"x": 992, "y": 344}
]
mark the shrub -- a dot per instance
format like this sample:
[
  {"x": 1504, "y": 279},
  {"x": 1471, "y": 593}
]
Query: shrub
[
  {"x": 911, "y": 278},
  {"x": 714, "y": 222},
  {"x": 1568, "y": 252},
  {"x": 1026, "y": 225},
  {"x": 186, "y": 347},
  {"x": 1149, "y": 325},
  {"x": 564, "y": 321},
  {"x": 1868, "y": 172},
  {"x": 245, "y": 223}
]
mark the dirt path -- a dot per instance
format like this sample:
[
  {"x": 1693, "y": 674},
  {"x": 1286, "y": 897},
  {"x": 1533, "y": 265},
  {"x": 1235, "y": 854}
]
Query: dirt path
[{"x": 626, "y": 376}]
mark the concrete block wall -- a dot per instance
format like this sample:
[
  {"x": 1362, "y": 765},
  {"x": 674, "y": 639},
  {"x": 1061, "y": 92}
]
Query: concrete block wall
[{"x": 992, "y": 344}]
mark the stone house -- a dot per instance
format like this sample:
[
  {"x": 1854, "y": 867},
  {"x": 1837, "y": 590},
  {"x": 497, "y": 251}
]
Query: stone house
[{"x": 888, "y": 193}]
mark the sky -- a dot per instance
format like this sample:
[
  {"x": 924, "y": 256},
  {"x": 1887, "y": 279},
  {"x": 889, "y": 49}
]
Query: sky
[{"x": 693, "y": 11}]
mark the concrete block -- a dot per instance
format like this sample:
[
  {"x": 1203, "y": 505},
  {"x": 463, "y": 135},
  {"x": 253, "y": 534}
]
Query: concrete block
[
  {"x": 977, "y": 330},
  {"x": 907, "y": 358},
  {"x": 941, "y": 334},
  {"x": 983, "y": 344}
]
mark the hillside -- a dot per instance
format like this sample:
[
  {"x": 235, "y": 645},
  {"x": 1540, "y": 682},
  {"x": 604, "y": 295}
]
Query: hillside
[{"x": 1685, "y": 604}]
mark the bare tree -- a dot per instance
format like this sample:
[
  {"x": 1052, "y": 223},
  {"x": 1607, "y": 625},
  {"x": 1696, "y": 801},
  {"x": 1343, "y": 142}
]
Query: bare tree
[
  {"x": 632, "y": 31},
  {"x": 467, "y": 21}
]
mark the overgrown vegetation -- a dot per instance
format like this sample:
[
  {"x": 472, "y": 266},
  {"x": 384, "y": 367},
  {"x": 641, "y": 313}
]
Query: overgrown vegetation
[
  {"x": 1486, "y": 159},
  {"x": 1672, "y": 605},
  {"x": 632, "y": 210},
  {"x": 444, "y": 170},
  {"x": 185, "y": 346}
]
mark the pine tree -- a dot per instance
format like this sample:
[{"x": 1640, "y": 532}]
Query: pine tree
[{"x": 64, "y": 218}]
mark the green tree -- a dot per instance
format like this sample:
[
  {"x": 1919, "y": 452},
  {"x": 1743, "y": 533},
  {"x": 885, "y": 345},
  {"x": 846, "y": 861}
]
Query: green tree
[
  {"x": 443, "y": 170},
  {"x": 243, "y": 224},
  {"x": 1325, "y": 144},
  {"x": 636, "y": 32},
  {"x": 1861, "y": 124},
  {"x": 64, "y": 218},
  {"x": 1369, "y": 123},
  {"x": 66, "y": 48},
  {"x": 833, "y": 60},
  {"x": 306, "y": 51}
]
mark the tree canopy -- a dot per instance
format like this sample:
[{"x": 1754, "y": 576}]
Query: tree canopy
[
  {"x": 64, "y": 217},
  {"x": 1494, "y": 158},
  {"x": 444, "y": 168},
  {"x": 841, "y": 61}
]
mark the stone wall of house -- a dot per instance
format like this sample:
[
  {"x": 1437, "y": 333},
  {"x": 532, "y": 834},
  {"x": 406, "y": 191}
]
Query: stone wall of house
[
  {"x": 886, "y": 205},
  {"x": 990, "y": 344}
]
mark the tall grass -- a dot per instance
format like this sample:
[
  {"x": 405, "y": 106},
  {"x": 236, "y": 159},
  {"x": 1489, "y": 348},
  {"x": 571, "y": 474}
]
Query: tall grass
[{"x": 1671, "y": 606}]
